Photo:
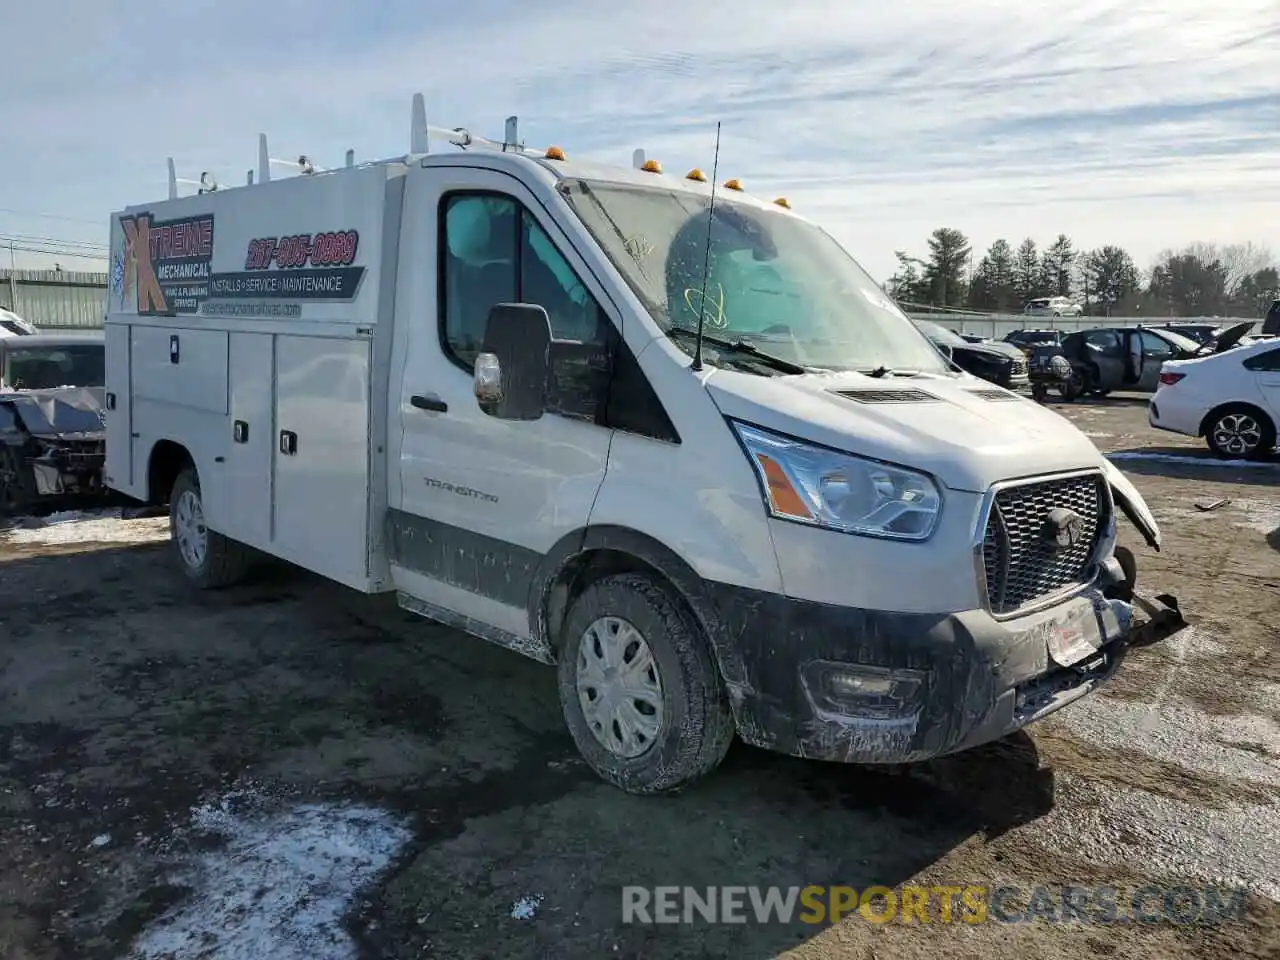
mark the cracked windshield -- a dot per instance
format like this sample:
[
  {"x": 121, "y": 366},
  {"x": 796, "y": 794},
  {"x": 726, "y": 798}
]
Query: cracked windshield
[{"x": 772, "y": 280}]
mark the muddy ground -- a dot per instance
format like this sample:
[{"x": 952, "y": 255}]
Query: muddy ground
[{"x": 291, "y": 770}]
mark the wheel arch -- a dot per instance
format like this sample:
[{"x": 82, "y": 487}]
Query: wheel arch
[
  {"x": 167, "y": 459},
  {"x": 600, "y": 550},
  {"x": 1221, "y": 408}
]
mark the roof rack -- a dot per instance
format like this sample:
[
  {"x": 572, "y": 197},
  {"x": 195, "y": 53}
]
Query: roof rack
[{"x": 420, "y": 135}]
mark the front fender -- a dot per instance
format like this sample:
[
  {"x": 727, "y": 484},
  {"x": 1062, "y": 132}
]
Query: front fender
[{"x": 1131, "y": 503}]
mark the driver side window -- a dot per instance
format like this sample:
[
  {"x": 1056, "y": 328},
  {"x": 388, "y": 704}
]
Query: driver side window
[{"x": 493, "y": 250}]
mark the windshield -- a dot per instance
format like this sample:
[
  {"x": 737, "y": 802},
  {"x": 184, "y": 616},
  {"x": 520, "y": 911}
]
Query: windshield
[
  {"x": 1180, "y": 341},
  {"x": 771, "y": 278},
  {"x": 44, "y": 368}
]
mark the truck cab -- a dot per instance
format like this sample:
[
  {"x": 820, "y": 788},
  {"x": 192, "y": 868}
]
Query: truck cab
[{"x": 686, "y": 452}]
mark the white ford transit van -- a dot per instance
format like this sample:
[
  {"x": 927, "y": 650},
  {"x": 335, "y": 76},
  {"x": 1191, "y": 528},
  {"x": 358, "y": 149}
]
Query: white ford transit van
[{"x": 476, "y": 378}]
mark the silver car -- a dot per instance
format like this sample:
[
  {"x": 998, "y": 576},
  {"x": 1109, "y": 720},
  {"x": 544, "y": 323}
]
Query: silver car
[{"x": 1052, "y": 307}]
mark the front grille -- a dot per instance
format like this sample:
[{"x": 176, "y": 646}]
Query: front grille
[
  {"x": 1022, "y": 559},
  {"x": 1018, "y": 368}
]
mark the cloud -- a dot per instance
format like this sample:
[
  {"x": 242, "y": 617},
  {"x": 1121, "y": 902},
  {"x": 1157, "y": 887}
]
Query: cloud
[{"x": 1140, "y": 123}]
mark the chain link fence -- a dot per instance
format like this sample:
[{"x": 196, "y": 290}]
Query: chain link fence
[{"x": 59, "y": 300}]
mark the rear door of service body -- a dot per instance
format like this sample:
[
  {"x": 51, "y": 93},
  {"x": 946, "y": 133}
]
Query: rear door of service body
[{"x": 476, "y": 502}]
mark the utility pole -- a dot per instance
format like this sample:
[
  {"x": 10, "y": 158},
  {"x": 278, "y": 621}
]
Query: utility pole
[{"x": 13, "y": 282}]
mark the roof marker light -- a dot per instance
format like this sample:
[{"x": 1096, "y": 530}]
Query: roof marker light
[
  {"x": 554, "y": 153},
  {"x": 652, "y": 166},
  {"x": 696, "y": 174},
  {"x": 783, "y": 202},
  {"x": 734, "y": 184}
]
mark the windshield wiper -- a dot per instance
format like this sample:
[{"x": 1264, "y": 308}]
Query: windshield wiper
[
  {"x": 882, "y": 371},
  {"x": 743, "y": 346}
]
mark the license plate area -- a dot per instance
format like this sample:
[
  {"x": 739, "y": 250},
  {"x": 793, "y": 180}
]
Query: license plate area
[{"x": 1074, "y": 634}]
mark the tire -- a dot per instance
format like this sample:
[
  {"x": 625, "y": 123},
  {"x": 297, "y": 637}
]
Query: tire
[
  {"x": 208, "y": 559},
  {"x": 1076, "y": 387},
  {"x": 695, "y": 727},
  {"x": 17, "y": 485},
  {"x": 1240, "y": 432}
]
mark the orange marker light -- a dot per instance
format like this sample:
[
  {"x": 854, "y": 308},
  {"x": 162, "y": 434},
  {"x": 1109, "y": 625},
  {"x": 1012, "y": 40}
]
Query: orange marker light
[
  {"x": 783, "y": 202},
  {"x": 652, "y": 166},
  {"x": 782, "y": 494},
  {"x": 554, "y": 153},
  {"x": 734, "y": 184},
  {"x": 696, "y": 174}
]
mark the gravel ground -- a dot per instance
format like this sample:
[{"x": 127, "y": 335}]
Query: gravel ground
[{"x": 290, "y": 770}]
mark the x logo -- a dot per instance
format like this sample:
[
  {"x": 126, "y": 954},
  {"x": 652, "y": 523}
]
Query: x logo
[{"x": 137, "y": 234}]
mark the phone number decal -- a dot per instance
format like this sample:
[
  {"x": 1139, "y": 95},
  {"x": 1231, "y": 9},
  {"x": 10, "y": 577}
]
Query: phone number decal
[{"x": 334, "y": 249}]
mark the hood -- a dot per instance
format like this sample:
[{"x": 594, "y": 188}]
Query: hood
[
  {"x": 994, "y": 347},
  {"x": 962, "y": 430},
  {"x": 1231, "y": 336},
  {"x": 63, "y": 412}
]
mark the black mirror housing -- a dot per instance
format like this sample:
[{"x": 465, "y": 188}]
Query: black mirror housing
[{"x": 511, "y": 371}]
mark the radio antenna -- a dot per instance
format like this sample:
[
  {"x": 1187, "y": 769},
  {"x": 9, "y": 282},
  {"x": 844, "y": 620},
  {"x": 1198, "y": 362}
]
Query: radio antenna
[{"x": 706, "y": 260}]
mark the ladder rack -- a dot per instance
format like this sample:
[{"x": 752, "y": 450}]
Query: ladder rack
[{"x": 420, "y": 135}]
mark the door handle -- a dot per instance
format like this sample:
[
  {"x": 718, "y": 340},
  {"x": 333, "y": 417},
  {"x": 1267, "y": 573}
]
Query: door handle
[
  {"x": 288, "y": 442},
  {"x": 429, "y": 403}
]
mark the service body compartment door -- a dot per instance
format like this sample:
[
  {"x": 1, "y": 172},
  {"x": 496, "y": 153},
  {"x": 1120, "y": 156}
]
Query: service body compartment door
[
  {"x": 321, "y": 452},
  {"x": 118, "y": 473},
  {"x": 250, "y": 453}
]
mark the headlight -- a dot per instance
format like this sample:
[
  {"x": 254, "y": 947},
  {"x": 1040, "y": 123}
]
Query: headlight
[{"x": 811, "y": 484}]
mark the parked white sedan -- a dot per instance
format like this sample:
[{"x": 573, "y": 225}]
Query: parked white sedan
[{"x": 1232, "y": 399}]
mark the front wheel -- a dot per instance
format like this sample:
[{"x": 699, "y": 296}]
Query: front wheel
[
  {"x": 208, "y": 559},
  {"x": 1241, "y": 433},
  {"x": 640, "y": 692}
]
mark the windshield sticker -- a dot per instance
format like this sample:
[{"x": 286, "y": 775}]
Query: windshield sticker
[
  {"x": 639, "y": 249},
  {"x": 715, "y": 316}
]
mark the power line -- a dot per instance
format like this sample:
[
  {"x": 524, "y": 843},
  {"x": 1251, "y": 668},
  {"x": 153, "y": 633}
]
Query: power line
[
  {"x": 100, "y": 249},
  {"x": 55, "y": 252},
  {"x": 49, "y": 216}
]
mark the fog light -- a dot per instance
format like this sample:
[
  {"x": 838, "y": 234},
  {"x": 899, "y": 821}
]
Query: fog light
[{"x": 855, "y": 690}]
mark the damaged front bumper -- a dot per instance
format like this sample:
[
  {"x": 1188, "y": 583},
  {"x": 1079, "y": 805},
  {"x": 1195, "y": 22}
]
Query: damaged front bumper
[
  {"x": 863, "y": 686},
  {"x": 52, "y": 448}
]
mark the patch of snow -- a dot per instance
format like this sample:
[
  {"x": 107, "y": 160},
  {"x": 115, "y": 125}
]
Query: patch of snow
[
  {"x": 74, "y": 526},
  {"x": 1192, "y": 460},
  {"x": 1097, "y": 436},
  {"x": 101, "y": 840},
  {"x": 278, "y": 886},
  {"x": 526, "y": 907},
  {"x": 1260, "y": 515}
]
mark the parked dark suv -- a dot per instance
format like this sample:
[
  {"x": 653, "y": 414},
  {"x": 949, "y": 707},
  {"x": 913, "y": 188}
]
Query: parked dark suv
[{"x": 999, "y": 363}]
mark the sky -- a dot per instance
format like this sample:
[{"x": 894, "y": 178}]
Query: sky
[{"x": 1149, "y": 125}]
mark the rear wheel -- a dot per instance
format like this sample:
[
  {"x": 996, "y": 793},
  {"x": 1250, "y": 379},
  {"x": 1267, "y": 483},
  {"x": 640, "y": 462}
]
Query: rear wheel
[
  {"x": 1075, "y": 386},
  {"x": 1240, "y": 432},
  {"x": 640, "y": 692},
  {"x": 208, "y": 559}
]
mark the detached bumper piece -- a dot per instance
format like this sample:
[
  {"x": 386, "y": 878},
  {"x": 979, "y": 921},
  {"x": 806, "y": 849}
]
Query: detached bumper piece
[{"x": 1162, "y": 620}]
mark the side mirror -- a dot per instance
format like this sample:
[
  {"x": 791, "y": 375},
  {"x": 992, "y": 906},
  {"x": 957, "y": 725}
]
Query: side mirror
[{"x": 511, "y": 371}]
